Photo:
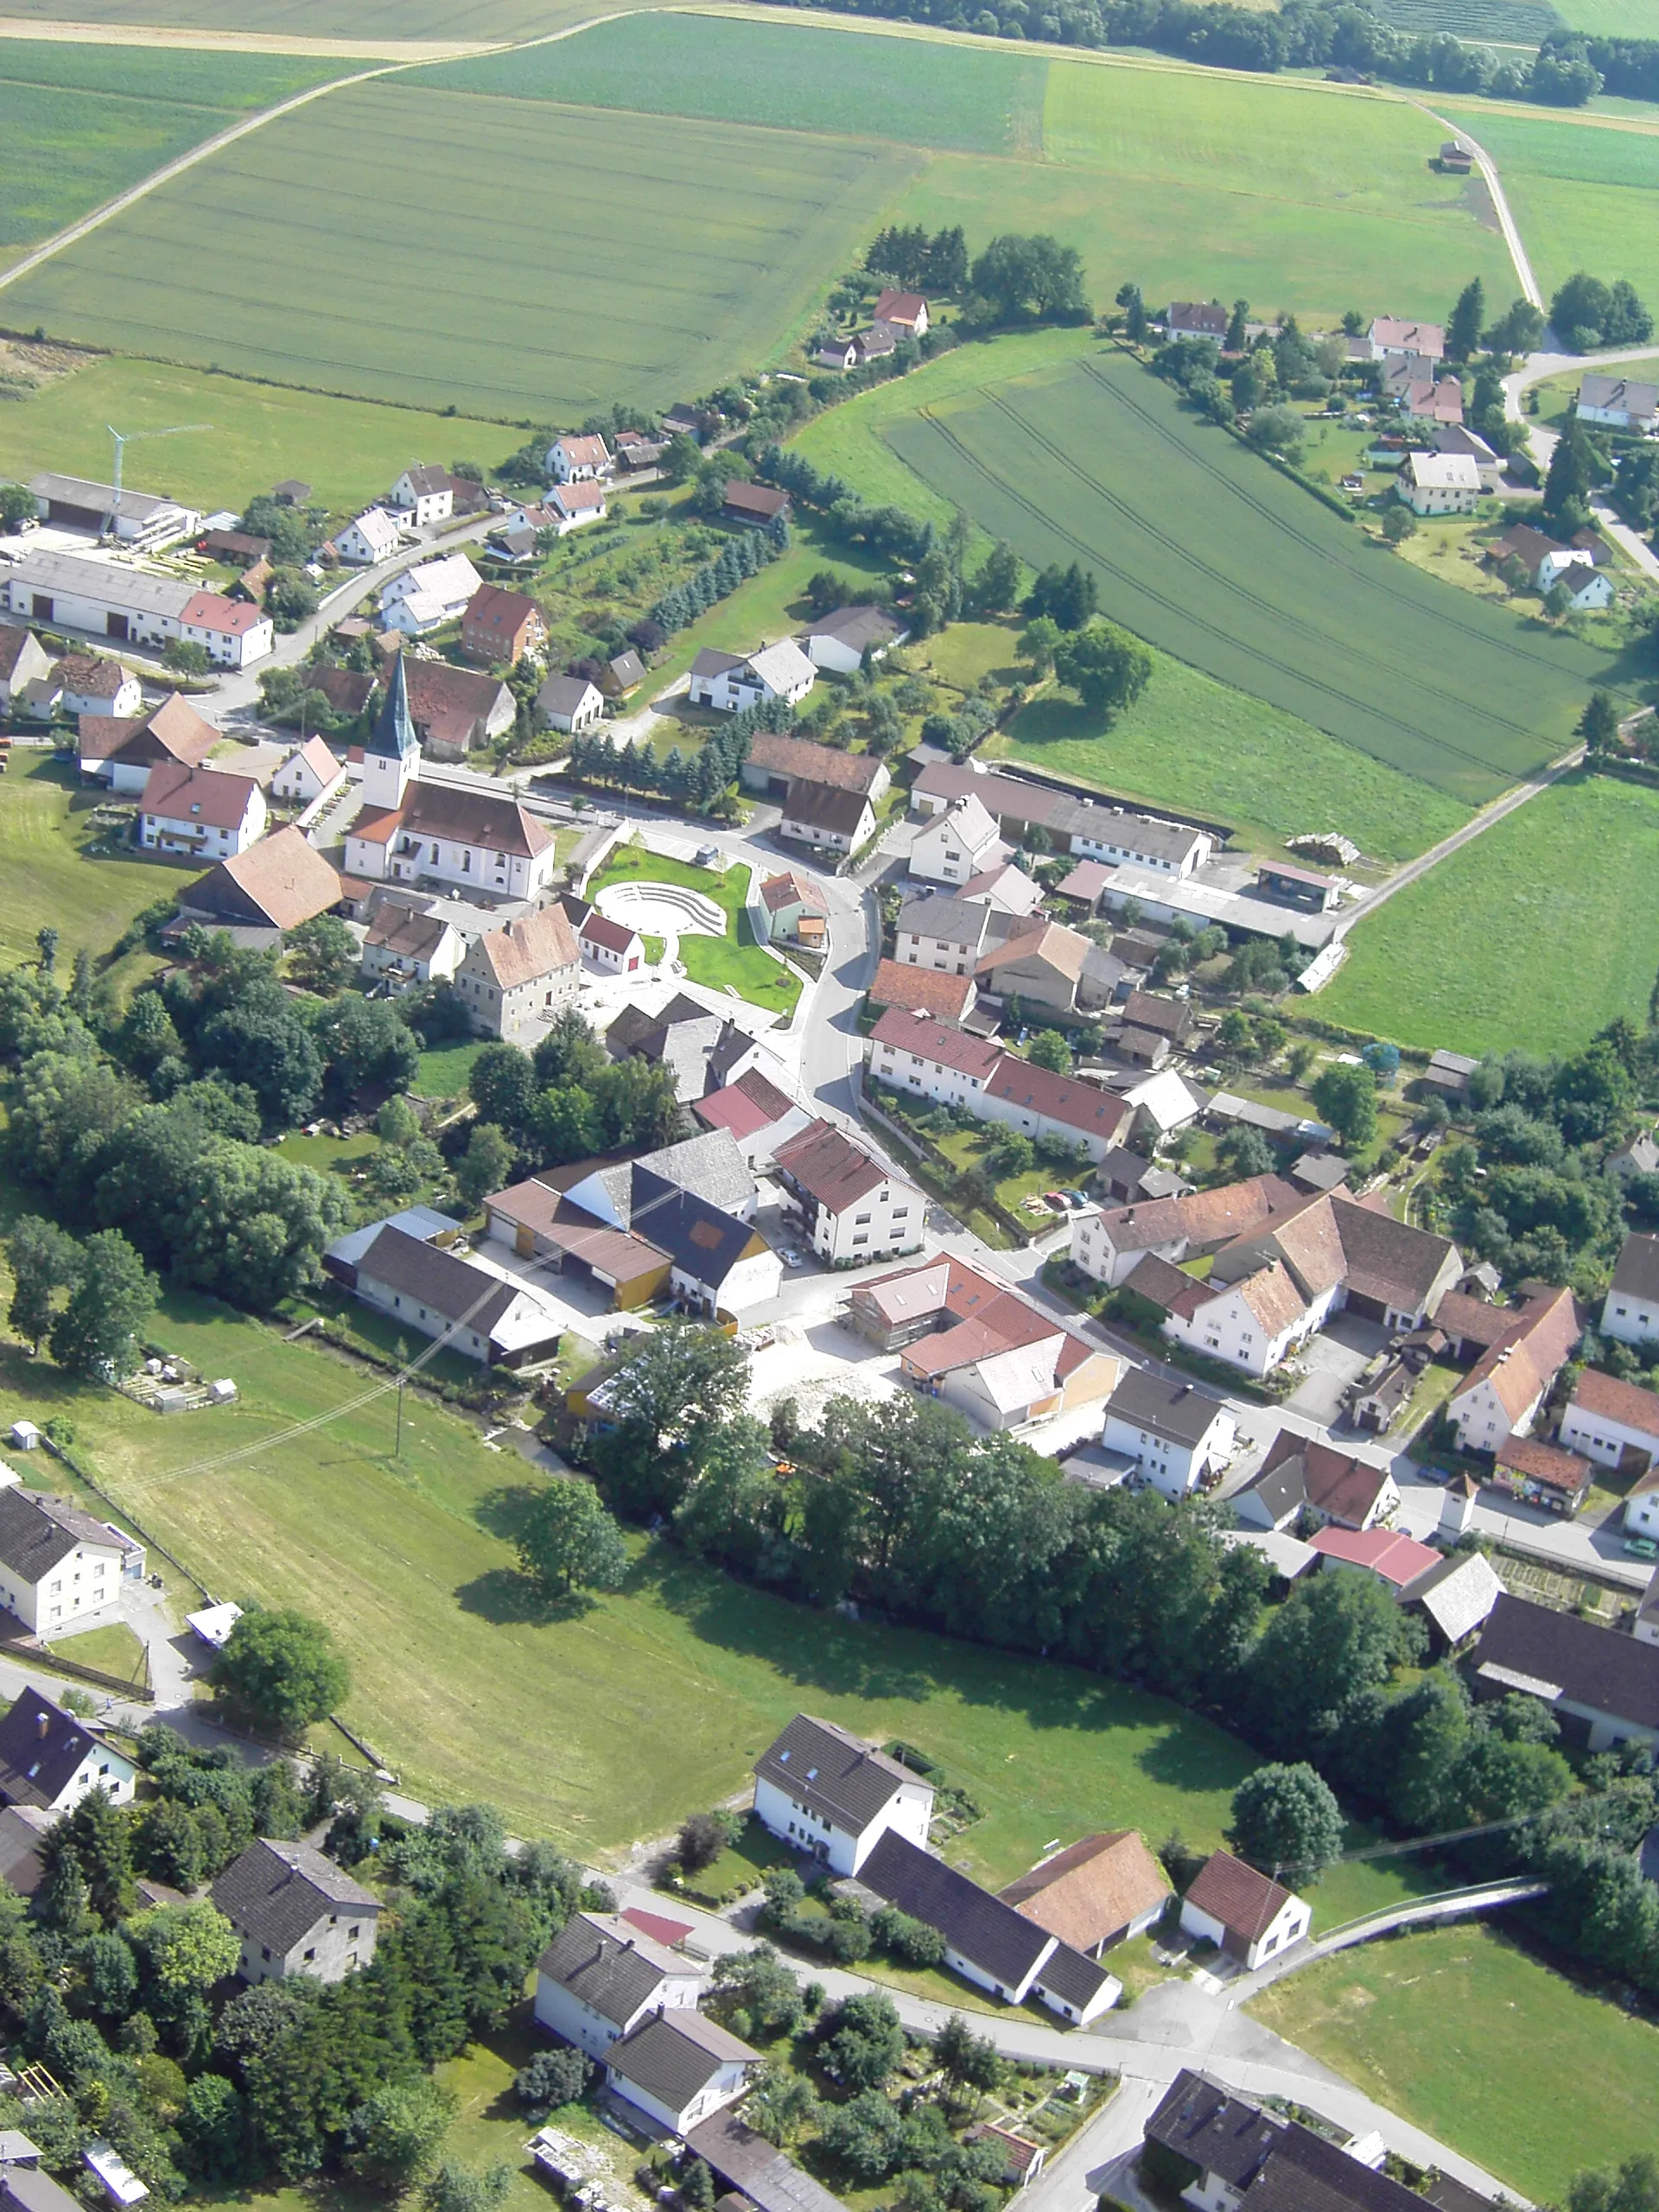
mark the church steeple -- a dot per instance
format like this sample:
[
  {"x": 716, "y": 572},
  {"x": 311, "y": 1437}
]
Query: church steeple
[{"x": 391, "y": 758}]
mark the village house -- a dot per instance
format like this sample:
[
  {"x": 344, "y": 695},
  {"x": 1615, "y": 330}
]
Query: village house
[
  {"x": 1041, "y": 1104},
  {"x": 902, "y": 311},
  {"x": 405, "y": 948},
  {"x": 1454, "y": 1596},
  {"x": 121, "y": 750},
  {"x": 600, "y": 1977},
  {"x": 1389, "y": 1557},
  {"x": 1433, "y": 399},
  {"x": 1173, "y": 1434},
  {"x": 828, "y": 818},
  {"x": 570, "y": 702},
  {"x": 1629, "y": 1313},
  {"x": 957, "y": 844},
  {"x": 1601, "y": 1685},
  {"x": 791, "y": 913},
  {"x": 1619, "y": 402},
  {"x": 1440, "y": 483},
  {"x": 930, "y": 1059},
  {"x": 578, "y": 460},
  {"x": 838, "y": 642},
  {"x": 275, "y": 885},
  {"x": 309, "y": 772},
  {"x": 200, "y": 811},
  {"x": 611, "y": 945},
  {"x": 126, "y": 604},
  {"x": 1108, "y": 1244},
  {"x": 1095, "y": 1893},
  {"x": 501, "y": 626},
  {"x": 50, "y": 1761},
  {"x": 91, "y": 683},
  {"x": 1250, "y": 2158},
  {"x": 423, "y": 598},
  {"x": 1391, "y": 334},
  {"x": 296, "y": 1912},
  {"x": 1542, "y": 1474},
  {"x": 477, "y": 1308},
  {"x": 1082, "y": 827},
  {"x": 756, "y": 505},
  {"x": 513, "y": 981},
  {"x": 946, "y": 933},
  {"x": 775, "y": 763},
  {"x": 25, "y": 661},
  {"x": 1642, "y": 1511},
  {"x": 1196, "y": 319},
  {"x": 703, "y": 1048},
  {"x": 1305, "y": 1483},
  {"x": 731, "y": 683},
  {"x": 1458, "y": 438},
  {"x": 1242, "y": 1912},
  {"x": 1614, "y": 1423},
  {"x": 1639, "y": 1157},
  {"x": 1502, "y": 1393},
  {"x": 1254, "y": 1323},
  {"x": 677, "y": 2068},
  {"x": 1006, "y": 889},
  {"x": 636, "y": 450},
  {"x": 572, "y": 504},
  {"x": 422, "y": 496},
  {"x": 920, "y": 991},
  {"x": 373, "y": 538},
  {"x": 824, "y": 1791},
  {"x": 756, "y": 1112},
  {"x": 1041, "y": 963},
  {"x": 849, "y": 1206}
]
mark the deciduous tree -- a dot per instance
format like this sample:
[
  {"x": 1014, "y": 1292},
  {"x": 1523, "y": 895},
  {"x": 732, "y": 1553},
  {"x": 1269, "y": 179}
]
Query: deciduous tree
[
  {"x": 1286, "y": 1818},
  {"x": 567, "y": 1539},
  {"x": 282, "y": 1669}
]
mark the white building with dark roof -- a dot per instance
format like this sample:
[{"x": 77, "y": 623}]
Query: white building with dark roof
[
  {"x": 1631, "y": 1310},
  {"x": 296, "y": 1912},
  {"x": 825, "y": 1791},
  {"x": 1242, "y": 1911},
  {"x": 58, "y": 1563},
  {"x": 730, "y": 682},
  {"x": 481, "y": 1311},
  {"x": 49, "y": 1761},
  {"x": 838, "y": 642},
  {"x": 677, "y": 2068},
  {"x": 1174, "y": 1432},
  {"x": 850, "y": 1207},
  {"x": 599, "y": 1978}
]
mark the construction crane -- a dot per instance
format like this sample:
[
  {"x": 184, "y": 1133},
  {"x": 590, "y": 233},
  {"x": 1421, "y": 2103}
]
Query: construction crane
[{"x": 124, "y": 438}]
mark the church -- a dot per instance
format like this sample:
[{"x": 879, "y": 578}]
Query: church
[{"x": 469, "y": 841}]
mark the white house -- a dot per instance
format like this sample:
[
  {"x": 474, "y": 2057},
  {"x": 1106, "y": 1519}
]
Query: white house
[
  {"x": 128, "y": 605},
  {"x": 1586, "y": 585},
  {"x": 677, "y": 2068},
  {"x": 202, "y": 812},
  {"x": 480, "y": 1310},
  {"x": 849, "y": 1207},
  {"x": 578, "y": 460},
  {"x": 827, "y": 817},
  {"x": 1254, "y": 1323},
  {"x": 941, "y": 932},
  {"x": 572, "y": 505},
  {"x": 1242, "y": 1912},
  {"x": 422, "y": 599},
  {"x": 599, "y": 1978},
  {"x": 1039, "y": 1103},
  {"x": 1614, "y": 1423},
  {"x": 94, "y": 685},
  {"x": 373, "y": 538},
  {"x": 423, "y": 495},
  {"x": 309, "y": 772},
  {"x": 838, "y": 642},
  {"x": 1502, "y": 1394},
  {"x": 611, "y": 945},
  {"x": 50, "y": 1761},
  {"x": 1391, "y": 334},
  {"x": 731, "y": 682},
  {"x": 24, "y": 661},
  {"x": 930, "y": 1059},
  {"x": 1440, "y": 483},
  {"x": 1621, "y": 404},
  {"x": 824, "y": 1790},
  {"x": 405, "y": 946},
  {"x": 513, "y": 981},
  {"x": 296, "y": 1912},
  {"x": 957, "y": 844},
  {"x": 1171, "y": 1429},
  {"x": 570, "y": 702},
  {"x": 58, "y": 1563},
  {"x": 1631, "y": 1310},
  {"x": 1642, "y": 1519}
]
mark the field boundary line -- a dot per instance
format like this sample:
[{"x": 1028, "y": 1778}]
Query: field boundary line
[
  {"x": 279, "y": 43},
  {"x": 85, "y": 225}
]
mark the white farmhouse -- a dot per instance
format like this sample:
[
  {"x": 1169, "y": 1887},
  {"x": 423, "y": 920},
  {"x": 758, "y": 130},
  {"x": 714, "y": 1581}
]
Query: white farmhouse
[
  {"x": 826, "y": 1792},
  {"x": 58, "y": 1563},
  {"x": 730, "y": 682},
  {"x": 1614, "y": 1423},
  {"x": 1440, "y": 483},
  {"x": 1631, "y": 1310},
  {"x": 204, "y": 812},
  {"x": 432, "y": 593},
  {"x": 599, "y": 1978},
  {"x": 957, "y": 844},
  {"x": 1172, "y": 1430},
  {"x": 849, "y": 1207},
  {"x": 309, "y": 772},
  {"x": 930, "y": 1059},
  {"x": 423, "y": 495},
  {"x": 676, "y": 2068},
  {"x": 578, "y": 460},
  {"x": 373, "y": 538},
  {"x": 49, "y": 1761}
]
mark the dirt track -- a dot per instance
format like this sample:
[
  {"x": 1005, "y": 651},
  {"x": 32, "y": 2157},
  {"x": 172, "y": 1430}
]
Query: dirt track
[{"x": 206, "y": 41}]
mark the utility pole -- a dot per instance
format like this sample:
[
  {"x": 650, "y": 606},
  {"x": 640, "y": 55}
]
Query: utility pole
[{"x": 123, "y": 438}]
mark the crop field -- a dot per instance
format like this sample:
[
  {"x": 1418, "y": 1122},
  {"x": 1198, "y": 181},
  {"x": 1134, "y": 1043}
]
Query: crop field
[
  {"x": 1445, "y": 2028},
  {"x": 48, "y": 874},
  {"x": 462, "y": 20},
  {"x": 348, "y": 450},
  {"x": 81, "y": 122},
  {"x": 1584, "y": 195},
  {"x": 503, "y": 259},
  {"x": 1206, "y": 552},
  {"x": 809, "y": 77},
  {"x": 1533, "y": 936},
  {"x": 1512, "y": 23},
  {"x": 1611, "y": 18}
]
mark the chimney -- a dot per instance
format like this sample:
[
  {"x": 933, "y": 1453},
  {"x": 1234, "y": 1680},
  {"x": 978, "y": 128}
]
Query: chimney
[{"x": 43, "y": 1726}]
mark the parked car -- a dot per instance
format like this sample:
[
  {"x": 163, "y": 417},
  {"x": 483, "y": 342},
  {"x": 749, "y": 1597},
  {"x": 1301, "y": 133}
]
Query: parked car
[{"x": 1642, "y": 1547}]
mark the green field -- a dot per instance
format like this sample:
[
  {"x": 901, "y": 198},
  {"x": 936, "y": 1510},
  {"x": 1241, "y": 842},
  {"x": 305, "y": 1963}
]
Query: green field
[
  {"x": 1611, "y": 18},
  {"x": 81, "y": 124},
  {"x": 1472, "y": 2038},
  {"x": 1532, "y": 937},
  {"x": 48, "y": 873},
  {"x": 459, "y": 20},
  {"x": 812, "y": 77},
  {"x": 1584, "y": 195},
  {"x": 350, "y": 451},
  {"x": 1201, "y": 549},
  {"x": 500, "y": 256}
]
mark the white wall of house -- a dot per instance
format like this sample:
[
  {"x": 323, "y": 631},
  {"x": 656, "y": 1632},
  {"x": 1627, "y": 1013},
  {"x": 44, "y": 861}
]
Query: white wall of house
[
  {"x": 890, "y": 1219},
  {"x": 298, "y": 780},
  {"x": 830, "y": 841},
  {"x": 728, "y": 2083},
  {"x": 1603, "y": 1440},
  {"x": 1288, "y": 1926},
  {"x": 1117, "y": 847},
  {"x": 408, "y": 856},
  {"x": 520, "y": 1011},
  {"x": 563, "y": 2013},
  {"x": 736, "y": 689},
  {"x": 1034, "y": 1125},
  {"x": 84, "y": 1581},
  {"x": 1632, "y": 1321},
  {"x": 1642, "y": 1519},
  {"x": 926, "y": 1078},
  {"x": 166, "y": 833},
  {"x": 336, "y": 1944},
  {"x": 1174, "y": 1470},
  {"x": 844, "y": 1851},
  {"x": 750, "y": 1282},
  {"x": 1227, "y": 1329},
  {"x": 912, "y": 949},
  {"x": 1481, "y": 1421},
  {"x": 1093, "y": 1251},
  {"x": 949, "y": 850}
]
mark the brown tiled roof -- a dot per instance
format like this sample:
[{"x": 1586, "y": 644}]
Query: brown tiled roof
[
  {"x": 1387, "y": 1259},
  {"x": 830, "y": 1167},
  {"x": 759, "y": 499},
  {"x": 501, "y": 825},
  {"x": 1335, "y": 1483},
  {"x": 1523, "y": 1361},
  {"x": 282, "y": 880},
  {"x": 1079, "y": 1106},
  {"x": 535, "y": 945},
  {"x": 1230, "y": 1210},
  {"x": 176, "y": 792},
  {"x": 1063, "y": 949},
  {"x": 346, "y": 689},
  {"x": 1245, "y": 1903},
  {"x": 1088, "y": 1894},
  {"x": 818, "y": 764},
  {"x": 496, "y": 615},
  {"x": 1625, "y": 1402},
  {"x": 446, "y": 703},
  {"x": 937, "y": 1041},
  {"x": 1471, "y": 1320},
  {"x": 615, "y": 936},
  {"x": 1544, "y": 1462},
  {"x": 91, "y": 675},
  {"x": 789, "y": 890},
  {"x": 1273, "y": 1298},
  {"x": 922, "y": 990},
  {"x": 1146, "y": 1010}
]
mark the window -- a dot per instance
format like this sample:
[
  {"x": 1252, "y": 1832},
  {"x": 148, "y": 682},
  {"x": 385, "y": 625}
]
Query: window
[{"x": 311, "y": 1956}]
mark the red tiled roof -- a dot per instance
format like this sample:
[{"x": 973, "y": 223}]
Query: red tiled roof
[
  {"x": 922, "y": 990},
  {"x": 1625, "y": 1402},
  {"x": 1385, "y": 1552},
  {"x": 599, "y": 929},
  {"x": 937, "y": 1041},
  {"x": 177, "y": 792},
  {"x": 1245, "y": 1903},
  {"x": 830, "y": 1167},
  {"x": 1544, "y": 1462},
  {"x": 1057, "y": 1098},
  {"x": 210, "y": 610}
]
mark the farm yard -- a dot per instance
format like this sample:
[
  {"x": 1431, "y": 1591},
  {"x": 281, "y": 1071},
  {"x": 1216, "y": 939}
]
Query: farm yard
[
  {"x": 1445, "y": 2028},
  {"x": 1530, "y": 937},
  {"x": 82, "y": 123},
  {"x": 1206, "y": 552},
  {"x": 383, "y": 292}
]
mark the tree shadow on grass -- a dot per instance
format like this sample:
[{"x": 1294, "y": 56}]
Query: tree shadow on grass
[
  {"x": 503, "y": 1510},
  {"x": 511, "y": 1599}
]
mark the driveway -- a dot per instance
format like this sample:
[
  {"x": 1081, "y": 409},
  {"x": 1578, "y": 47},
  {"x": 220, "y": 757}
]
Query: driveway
[{"x": 1335, "y": 1360}]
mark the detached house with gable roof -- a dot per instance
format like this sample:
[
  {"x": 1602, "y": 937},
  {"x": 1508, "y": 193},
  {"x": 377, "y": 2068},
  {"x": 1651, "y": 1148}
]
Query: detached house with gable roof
[
  {"x": 1173, "y": 1432},
  {"x": 1631, "y": 1310},
  {"x": 1242, "y": 1912},
  {"x": 677, "y": 2068},
  {"x": 957, "y": 844},
  {"x": 296, "y": 1912},
  {"x": 58, "y": 1562},
  {"x": 731, "y": 683},
  {"x": 201, "y": 812},
  {"x": 850, "y": 1207},
  {"x": 49, "y": 1761},
  {"x": 931, "y": 1059},
  {"x": 423, "y": 495},
  {"x": 578, "y": 460},
  {"x": 825, "y": 1791},
  {"x": 599, "y": 1978},
  {"x": 513, "y": 981},
  {"x": 1500, "y": 1396}
]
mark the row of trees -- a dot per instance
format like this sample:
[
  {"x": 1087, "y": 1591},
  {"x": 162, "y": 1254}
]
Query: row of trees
[
  {"x": 700, "y": 781},
  {"x": 742, "y": 557},
  {"x": 1014, "y": 279}
]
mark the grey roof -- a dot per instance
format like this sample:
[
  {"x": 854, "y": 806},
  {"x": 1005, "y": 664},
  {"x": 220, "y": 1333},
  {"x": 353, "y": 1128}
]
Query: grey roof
[
  {"x": 1572, "y": 1659},
  {"x": 26, "y": 2189},
  {"x": 952, "y": 921},
  {"x": 443, "y": 1282},
  {"x": 276, "y": 1893},
  {"x": 977, "y": 1926},
  {"x": 563, "y": 695},
  {"x": 1619, "y": 393},
  {"x": 711, "y": 1166},
  {"x": 105, "y": 582},
  {"x": 831, "y": 1772},
  {"x": 1215, "y": 2130},
  {"x": 770, "y": 2181},
  {"x": 22, "y": 1827},
  {"x": 1165, "y": 1404},
  {"x": 37, "y": 1532},
  {"x": 428, "y": 480},
  {"x": 393, "y": 737},
  {"x": 703, "y": 1240},
  {"x": 711, "y": 661},
  {"x": 1304, "y": 2173},
  {"x": 1458, "y": 1594},
  {"x": 41, "y": 1748},
  {"x": 1636, "y": 1273},
  {"x": 607, "y": 1965},
  {"x": 674, "y": 2055},
  {"x": 80, "y": 492},
  {"x": 856, "y": 627},
  {"x": 825, "y": 806},
  {"x": 1074, "y": 1978}
]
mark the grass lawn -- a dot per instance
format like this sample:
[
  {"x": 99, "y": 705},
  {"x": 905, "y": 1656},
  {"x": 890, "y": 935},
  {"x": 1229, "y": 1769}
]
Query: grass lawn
[
  {"x": 764, "y": 609},
  {"x": 596, "y": 1723},
  {"x": 1448, "y": 2029},
  {"x": 490, "y": 2129},
  {"x": 733, "y": 961},
  {"x": 114, "y": 1650},
  {"x": 1530, "y": 937},
  {"x": 48, "y": 873},
  {"x": 1218, "y": 559},
  {"x": 321, "y": 271},
  {"x": 444, "y": 1069}
]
